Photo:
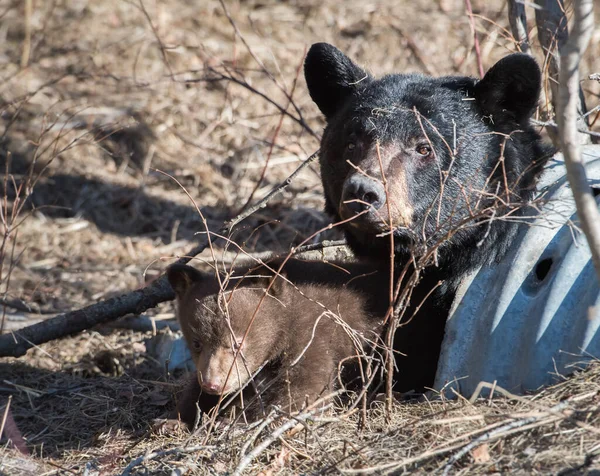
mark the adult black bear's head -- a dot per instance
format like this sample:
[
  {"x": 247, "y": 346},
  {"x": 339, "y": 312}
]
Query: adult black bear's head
[{"x": 440, "y": 161}]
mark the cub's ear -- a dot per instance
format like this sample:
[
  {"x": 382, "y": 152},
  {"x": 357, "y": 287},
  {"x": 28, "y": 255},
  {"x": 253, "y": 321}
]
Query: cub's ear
[
  {"x": 331, "y": 77},
  {"x": 182, "y": 276},
  {"x": 510, "y": 89},
  {"x": 279, "y": 284}
]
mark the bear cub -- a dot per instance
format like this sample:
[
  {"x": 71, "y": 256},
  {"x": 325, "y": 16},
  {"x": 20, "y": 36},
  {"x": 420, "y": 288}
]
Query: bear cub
[{"x": 285, "y": 347}]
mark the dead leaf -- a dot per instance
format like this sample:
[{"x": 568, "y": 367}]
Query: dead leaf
[
  {"x": 11, "y": 431},
  {"x": 481, "y": 454},
  {"x": 162, "y": 426},
  {"x": 283, "y": 457},
  {"x": 267, "y": 472}
]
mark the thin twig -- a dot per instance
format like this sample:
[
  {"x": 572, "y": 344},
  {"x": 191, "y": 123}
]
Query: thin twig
[
  {"x": 246, "y": 460},
  {"x": 475, "y": 38},
  {"x": 16, "y": 344},
  {"x": 498, "y": 432},
  {"x": 273, "y": 193},
  {"x": 518, "y": 24},
  {"x": 391, "y": 329},
  {"x": 163, "y": 50},
  {"x": 270, "y": 418},
  {"x": 157, "y": 454},
  {"x": 242, "y": 82},
  {"x": 553, "y": 34},
  {"x": 27, "y": 41},
  {"x": 274, "y": 140},
  {"x": 5, "y": 416}
]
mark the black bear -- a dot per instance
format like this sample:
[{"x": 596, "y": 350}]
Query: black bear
[
  {"x": 446, "y": 165},
  {"x": 285, "y": 347}
]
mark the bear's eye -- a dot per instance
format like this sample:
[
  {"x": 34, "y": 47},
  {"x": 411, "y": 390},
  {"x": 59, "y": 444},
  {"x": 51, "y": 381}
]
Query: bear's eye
[
  {"x": 423, "y": 149},
  {"x": 350, "y": 146},
  {"x": 197, "y": 344}
]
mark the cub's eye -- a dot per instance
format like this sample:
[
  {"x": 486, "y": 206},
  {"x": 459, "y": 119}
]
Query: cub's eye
[
  {"x": 351, "y": 146},
  {"x": 423, "y": 149},
  {"x": 197, "y": 345}
]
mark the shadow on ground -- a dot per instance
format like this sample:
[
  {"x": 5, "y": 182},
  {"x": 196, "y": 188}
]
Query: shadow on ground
[
  {"x": 59, "y": 411},
  {"x": 131, "y": 211}
]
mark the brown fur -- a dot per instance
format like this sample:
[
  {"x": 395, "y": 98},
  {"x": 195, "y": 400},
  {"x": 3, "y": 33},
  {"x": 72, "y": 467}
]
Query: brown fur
[
  {"x": 297, "y": 366},
  {"x": 386, "y": 164}
]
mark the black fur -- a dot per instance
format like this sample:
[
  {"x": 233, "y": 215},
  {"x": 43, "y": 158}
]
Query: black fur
[
  {"x": 473, "y": 116},
  {"x": 469, "y": 124}
]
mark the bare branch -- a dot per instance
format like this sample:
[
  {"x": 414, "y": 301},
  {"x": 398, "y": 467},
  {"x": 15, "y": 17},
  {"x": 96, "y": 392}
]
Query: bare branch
[
  {"x": 571, "y": 54},
  {"x": 242, "y": 82},
  {"x": 553, "y": 33},
  {"x": 276, "y": 191},
  {"x": 16, "y": 344}
]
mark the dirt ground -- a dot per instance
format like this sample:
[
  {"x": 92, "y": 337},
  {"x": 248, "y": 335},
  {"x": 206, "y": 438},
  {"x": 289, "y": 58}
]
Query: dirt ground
[{"x": 132, "y": 123}]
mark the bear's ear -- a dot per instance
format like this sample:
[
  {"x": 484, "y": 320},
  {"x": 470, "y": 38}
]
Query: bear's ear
[
  {"x": 331, "y": 77},
  {"x": 182, "y": 276},
  {"x": 510, "y": 89},
  {"x": 279, "y": 284}
]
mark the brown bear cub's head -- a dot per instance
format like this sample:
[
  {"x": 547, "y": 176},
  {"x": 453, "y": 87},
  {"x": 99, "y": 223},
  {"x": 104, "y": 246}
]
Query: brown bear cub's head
[{"x": 214, "y": 324}]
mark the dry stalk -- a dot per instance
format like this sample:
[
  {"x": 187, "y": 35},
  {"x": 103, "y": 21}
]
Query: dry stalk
[
  {"x": 27, "y": 41},
  {"x": 225, "y": 75},
  {"x": 246, "y": 460},
  {"x": 163, "y": 50},
  {"x": 273, "y": 193},
  {"x": 475, "y": 38},
  {"x": 518, "y": 24},
  {"x": 256, "y": 59},
  {"x": 13, "y": 211},
  {"x": 270, "y": 418},
  {"x": 571, "y": 53},
  {"x": 552, "y": 31},
  {"x": 389, "y": 341},
  {"x": 502, "y": 431},
  {"x": 5, "y": 415},
  {"x": 526, "y": 421},
  {"x": 158, "y": 454}
]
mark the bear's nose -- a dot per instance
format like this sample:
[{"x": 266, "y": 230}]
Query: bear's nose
[
  {"x": 361, "y": 192},
  {"x": 212, "y": 387}
]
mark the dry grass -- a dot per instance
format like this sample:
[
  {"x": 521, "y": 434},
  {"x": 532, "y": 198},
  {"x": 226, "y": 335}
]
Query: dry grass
[
  {"x": 76, "y": 410},
  {"x": 126, "y": 91}
]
